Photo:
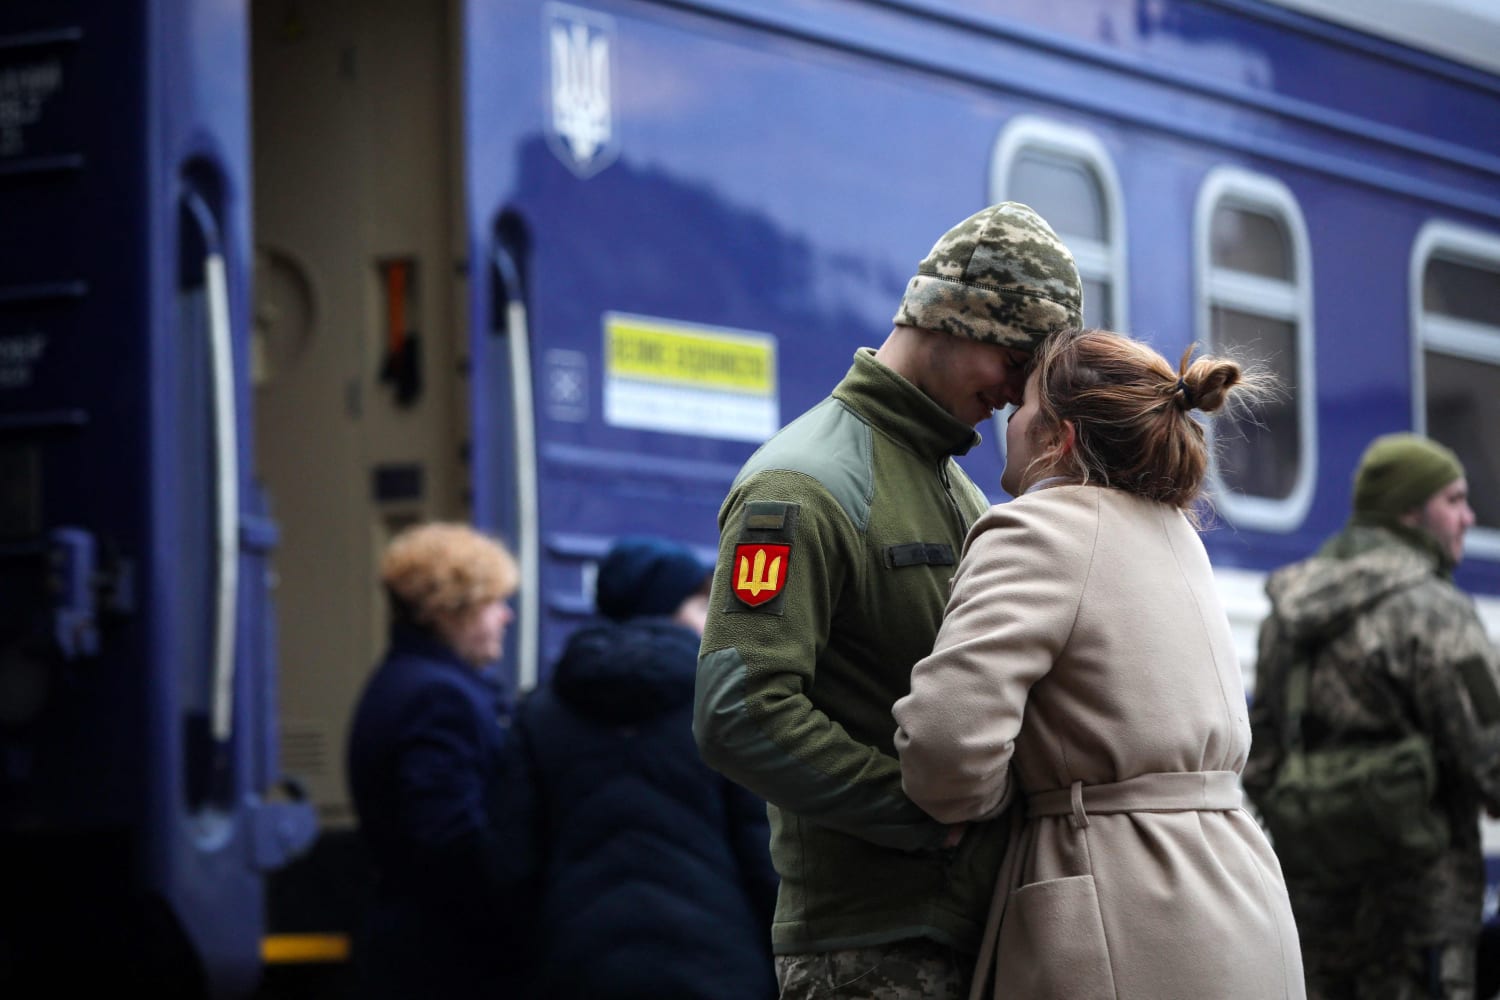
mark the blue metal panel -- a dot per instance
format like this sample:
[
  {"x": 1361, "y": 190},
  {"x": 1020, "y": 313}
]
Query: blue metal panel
[
  {"x": 134, "y": 819},
  {"x": 219, "y": 834},
  {"x": 75, "y": 268}
]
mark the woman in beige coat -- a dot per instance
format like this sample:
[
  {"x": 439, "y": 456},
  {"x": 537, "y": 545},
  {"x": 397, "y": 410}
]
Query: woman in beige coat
[{"x": 1084, "y": 678}]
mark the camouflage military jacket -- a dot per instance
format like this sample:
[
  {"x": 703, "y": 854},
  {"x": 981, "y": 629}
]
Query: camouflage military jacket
[{"x": 1392, "y": 647}]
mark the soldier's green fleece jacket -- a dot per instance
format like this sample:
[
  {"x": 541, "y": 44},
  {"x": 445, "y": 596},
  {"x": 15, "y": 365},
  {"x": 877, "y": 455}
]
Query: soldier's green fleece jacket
[{"x": 838, "y": 541}]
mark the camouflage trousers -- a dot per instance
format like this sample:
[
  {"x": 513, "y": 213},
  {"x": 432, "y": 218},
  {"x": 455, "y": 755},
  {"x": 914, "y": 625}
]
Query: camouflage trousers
[
  {"x": 1445, "y": 973},
  {"x": 1354, "y": 948},
  {"x": 916, "y": 969},
  {"x": 1342, "y": 964}
]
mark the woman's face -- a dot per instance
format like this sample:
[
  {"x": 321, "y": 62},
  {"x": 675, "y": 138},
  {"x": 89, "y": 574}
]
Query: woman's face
[
  {"x": 1021, "y": 444},
  {"x": 477, "y": 633}
]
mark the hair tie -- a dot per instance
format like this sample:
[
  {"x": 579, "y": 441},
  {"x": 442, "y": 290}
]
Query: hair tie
[{"x": 1187, "y": 394}]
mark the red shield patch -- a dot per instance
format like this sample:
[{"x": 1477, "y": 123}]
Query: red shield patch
[{"x": 759, "y": 572}]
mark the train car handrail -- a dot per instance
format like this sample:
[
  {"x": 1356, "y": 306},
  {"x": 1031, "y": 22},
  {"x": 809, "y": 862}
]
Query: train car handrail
[
  {"x": 528, "y": 521},
  {"x": 226, "y": 467}
]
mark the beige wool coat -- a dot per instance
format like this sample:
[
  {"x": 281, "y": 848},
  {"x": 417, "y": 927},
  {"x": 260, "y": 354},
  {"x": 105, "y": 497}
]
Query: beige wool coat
[{"x": 1084, "y": 677}]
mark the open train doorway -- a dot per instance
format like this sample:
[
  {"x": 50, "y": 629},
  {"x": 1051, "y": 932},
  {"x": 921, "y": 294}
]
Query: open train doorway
[{"x": 360, "y": 393}]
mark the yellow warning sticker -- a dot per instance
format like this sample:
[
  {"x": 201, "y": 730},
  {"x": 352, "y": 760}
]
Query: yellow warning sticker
[
  {"x": 662, "y": 351},
  {"x": 676, "y": 378}
]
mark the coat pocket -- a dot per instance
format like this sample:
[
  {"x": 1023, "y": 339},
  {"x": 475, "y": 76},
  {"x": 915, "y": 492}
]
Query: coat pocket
[{"x": 1052, "y": 943}]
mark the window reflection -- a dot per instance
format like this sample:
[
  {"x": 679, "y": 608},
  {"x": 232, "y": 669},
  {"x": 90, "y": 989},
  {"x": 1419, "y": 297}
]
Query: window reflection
[
  {"x": 1462, "y": 291},
  {"x": 1261, "y": 454},
  {"x": 1460, "y": 330},
  {"x": 1252, "y": 242},
  {"x": 1064, "y": 190}
]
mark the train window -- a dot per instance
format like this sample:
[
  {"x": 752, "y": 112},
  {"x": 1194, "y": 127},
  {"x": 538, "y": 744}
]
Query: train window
[
  {"x": 1462, "y": 291},
  {"x": 1251, "y": 242},
  {"x": 1255, "y": 304},
  {"x": 1067, "y": 176},
  {"x": 1456, "y": 361},
  {"x": 1067, "y": 186}
]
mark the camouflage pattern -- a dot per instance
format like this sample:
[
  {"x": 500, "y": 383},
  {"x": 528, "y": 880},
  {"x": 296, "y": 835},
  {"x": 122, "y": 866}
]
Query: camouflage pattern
[
  {"x": 1392, "y": 645},
  {"x": 915, "y": 969},
  {"x": 1341, "y": 965},
  {"x": 1000, "y": 276}
]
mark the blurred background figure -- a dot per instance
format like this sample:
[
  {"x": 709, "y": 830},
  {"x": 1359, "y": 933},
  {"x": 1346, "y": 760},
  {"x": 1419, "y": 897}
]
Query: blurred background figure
[
  {"x": 656, "y": 875},
  {"x": 427, "y": 771},
  {"x": 1370, "y": 641}
]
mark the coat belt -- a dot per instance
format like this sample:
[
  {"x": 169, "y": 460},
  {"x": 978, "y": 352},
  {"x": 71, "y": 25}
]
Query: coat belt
[{"x": 1161, "y": 791}]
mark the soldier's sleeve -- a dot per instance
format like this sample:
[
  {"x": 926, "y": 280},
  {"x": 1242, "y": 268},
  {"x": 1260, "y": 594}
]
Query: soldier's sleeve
[
  {"x": 1456, "y": 680},
  {"x": 786, "y": 552},
  {"x": 1267, "y": 701}
]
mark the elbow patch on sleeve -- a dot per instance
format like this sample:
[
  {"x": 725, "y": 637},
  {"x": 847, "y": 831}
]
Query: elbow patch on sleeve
[{"x": 721, "y": 720}]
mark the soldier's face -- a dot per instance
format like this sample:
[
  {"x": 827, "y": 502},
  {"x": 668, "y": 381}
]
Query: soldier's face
[
  {"x": 1447, "y": 517},
  {"x": 972, "y": 379}
]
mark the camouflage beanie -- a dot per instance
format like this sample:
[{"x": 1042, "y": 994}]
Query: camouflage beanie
[
  {"x": 1001, "y": 276},
  {"x": 1399, "y": 472}
]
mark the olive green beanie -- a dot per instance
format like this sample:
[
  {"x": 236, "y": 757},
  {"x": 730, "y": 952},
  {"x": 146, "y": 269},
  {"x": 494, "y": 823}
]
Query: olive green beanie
[{"x": 1399, "y": 472}]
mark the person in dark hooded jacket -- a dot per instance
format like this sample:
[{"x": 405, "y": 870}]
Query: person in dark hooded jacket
[{"x": 656, "y": 873}]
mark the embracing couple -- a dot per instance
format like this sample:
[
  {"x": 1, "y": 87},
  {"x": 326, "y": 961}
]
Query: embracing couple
[{"x": 1001, "y": 744}]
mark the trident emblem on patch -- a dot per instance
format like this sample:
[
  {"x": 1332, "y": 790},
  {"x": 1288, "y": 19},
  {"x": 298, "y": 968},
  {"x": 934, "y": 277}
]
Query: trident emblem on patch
[
  {"x": 582, "y": 121},
  {"x": 759, "y": 572}
]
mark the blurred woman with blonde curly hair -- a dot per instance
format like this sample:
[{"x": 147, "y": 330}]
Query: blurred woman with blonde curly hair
[
  {"x": 1084, "y": 681},
  {"x": 429, "y": 775}
]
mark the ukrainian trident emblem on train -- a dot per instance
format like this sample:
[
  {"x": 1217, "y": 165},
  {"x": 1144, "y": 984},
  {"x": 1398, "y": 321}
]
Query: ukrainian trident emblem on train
[{"x": 580, "y": 123}]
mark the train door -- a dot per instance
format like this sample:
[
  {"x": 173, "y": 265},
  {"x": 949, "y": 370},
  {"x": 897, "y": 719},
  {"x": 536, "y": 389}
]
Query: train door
[
  {"x": 140, "y": 798},
  {"x": 359, "y": 372}
]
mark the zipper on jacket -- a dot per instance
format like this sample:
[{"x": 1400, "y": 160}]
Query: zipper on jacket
[{"x": 958, "y": 513}]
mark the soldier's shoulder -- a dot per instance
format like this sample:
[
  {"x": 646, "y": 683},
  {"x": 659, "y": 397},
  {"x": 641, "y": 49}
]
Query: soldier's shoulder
[
  {"x": 1436, "y": 615},
  {"x": 828, "y": 448},
  {"x": 1434, "y": 592}
]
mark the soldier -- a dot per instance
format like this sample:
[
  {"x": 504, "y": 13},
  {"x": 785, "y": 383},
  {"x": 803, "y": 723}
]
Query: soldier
[
  {"x": 1390, "y": 646},
  {"x": 837, "y": 543}
]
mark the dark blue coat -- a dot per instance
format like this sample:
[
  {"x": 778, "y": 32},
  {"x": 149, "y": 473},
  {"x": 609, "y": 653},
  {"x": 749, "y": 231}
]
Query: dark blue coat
[
  {"x": 428, "y": 772},
  {"x": 657, "y": 879}
]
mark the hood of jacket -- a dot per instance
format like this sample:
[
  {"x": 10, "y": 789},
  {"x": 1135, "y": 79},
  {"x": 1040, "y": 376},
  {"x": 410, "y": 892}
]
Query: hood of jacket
[
  {"x": 1356, "y": 569},
  {"x": 629, "y": 671}
]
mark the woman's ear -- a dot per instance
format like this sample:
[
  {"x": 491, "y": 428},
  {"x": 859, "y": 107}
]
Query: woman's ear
[{"x": 1065, "y": 438}]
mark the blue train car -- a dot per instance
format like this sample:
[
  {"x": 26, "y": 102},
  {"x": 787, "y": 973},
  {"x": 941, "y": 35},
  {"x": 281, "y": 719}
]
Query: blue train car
[
  {"x": 142, "y": 805},
  {"x": 279, "y": 277}
]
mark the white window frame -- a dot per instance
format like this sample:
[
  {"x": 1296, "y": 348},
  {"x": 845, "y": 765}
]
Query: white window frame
[
  {"x": 1233, "y": 187},
  {"x": 1097, "y": 260},
  {"x": 1448, "y": 335}
]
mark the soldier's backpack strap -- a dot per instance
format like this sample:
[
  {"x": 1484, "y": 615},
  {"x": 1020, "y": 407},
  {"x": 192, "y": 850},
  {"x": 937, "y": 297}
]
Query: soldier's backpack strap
[{"x": 1297, "y": 680}]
